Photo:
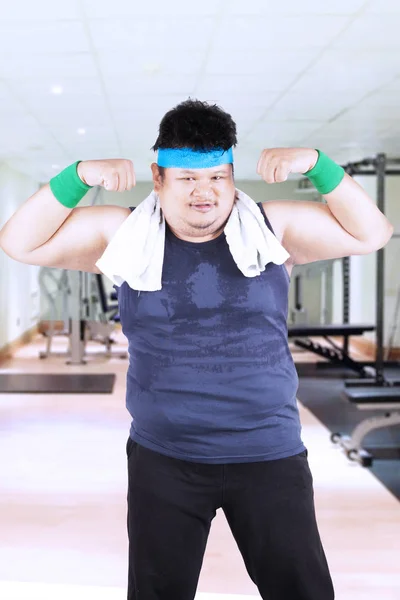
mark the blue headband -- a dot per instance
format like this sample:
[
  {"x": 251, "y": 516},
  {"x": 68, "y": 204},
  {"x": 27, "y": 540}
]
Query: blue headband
[{"x": 186, "y": 158}]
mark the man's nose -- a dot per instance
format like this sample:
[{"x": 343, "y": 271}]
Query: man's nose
[{"x": 203, "y": 189}]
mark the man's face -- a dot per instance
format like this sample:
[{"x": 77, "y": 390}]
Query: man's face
[{"x": 196, "y": 203}]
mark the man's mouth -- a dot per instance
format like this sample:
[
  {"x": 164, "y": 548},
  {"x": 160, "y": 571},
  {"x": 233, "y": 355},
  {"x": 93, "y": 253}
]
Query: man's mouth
[{"x": 202, "y": 206}]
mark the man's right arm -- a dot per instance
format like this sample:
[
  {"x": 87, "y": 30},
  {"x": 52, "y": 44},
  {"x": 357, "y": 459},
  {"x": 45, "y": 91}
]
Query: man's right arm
[{"x": 44, "y": 232}]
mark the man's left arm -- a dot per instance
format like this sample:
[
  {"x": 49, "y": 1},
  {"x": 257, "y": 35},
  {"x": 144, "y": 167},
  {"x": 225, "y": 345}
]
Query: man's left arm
[{"x": 349, "y": 224}]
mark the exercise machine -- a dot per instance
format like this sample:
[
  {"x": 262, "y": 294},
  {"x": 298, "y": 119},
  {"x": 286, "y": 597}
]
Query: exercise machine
[
  {"x": 335, "y": 354},
  {"x": 331, "y": 351},
  {"x": 379, "y": 392},
  {"x": 385, "y": 399},
  {"x": 54, "y": 285},
  {"x": 87, "y": 314},
  {"x": 378, "y": 167}
]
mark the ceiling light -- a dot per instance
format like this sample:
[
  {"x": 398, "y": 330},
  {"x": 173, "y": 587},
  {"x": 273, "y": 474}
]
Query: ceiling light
[
  {"x": 57, "y": 89},
  {"x": 81, "y": 131}
]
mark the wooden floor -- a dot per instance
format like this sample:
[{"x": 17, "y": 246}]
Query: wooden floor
[{"x": 63, "y": 501}]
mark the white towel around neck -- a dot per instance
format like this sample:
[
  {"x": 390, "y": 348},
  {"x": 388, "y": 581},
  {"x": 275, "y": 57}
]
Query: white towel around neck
[{"x": 135, "y": 253}]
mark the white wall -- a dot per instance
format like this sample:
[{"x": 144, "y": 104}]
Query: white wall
[{"x": 19, "y": 290}]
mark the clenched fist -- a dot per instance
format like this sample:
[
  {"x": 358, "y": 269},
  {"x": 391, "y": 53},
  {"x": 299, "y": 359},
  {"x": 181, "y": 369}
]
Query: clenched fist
[
  {"x": 114, "y": 174},
  {"x": 275, "y": 164}
]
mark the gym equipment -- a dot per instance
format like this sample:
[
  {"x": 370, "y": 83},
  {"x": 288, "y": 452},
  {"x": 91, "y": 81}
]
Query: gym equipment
[
  {"x": 57, "y": 383},
  {"x": 395, "y": 323},
  {"x": 384, "y": 398},
  {"x": 87, "y": 315},
  {"x": 379, "y": 168},
  {"x": 53, "y": 285},
  {"x": 336, "y": 355},
  {"x": 100, "y": 330},
  {"x": 379, "y": 392},
  {"x": 316, "y": 278}
]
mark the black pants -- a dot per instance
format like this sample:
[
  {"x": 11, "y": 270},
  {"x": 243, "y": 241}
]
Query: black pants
[{"x": 269, "y": 506}]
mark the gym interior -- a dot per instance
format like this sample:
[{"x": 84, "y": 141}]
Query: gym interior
[{"x": 90, "y": 79}]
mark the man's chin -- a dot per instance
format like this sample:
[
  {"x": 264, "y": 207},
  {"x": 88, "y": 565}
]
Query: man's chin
[
  {"x": 203, "y": 224},
  {"x": 205, "y": 227}
]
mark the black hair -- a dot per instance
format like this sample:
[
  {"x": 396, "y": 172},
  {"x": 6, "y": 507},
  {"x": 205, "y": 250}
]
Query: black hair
[{"x": 197, "y": 125}]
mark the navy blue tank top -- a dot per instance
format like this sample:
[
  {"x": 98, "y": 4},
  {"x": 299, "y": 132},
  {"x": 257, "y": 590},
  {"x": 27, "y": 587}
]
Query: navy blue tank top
[{"x": 210, "y": 377}]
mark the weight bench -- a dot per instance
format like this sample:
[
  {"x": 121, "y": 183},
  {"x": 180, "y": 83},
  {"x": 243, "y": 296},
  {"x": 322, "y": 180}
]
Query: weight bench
[
  {"x": 382, "y": 398},
  {"x": 336, "y": 354}
]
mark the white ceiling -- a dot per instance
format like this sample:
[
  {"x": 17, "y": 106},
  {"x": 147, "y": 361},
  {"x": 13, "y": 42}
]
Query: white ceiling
[{"x": 310, "y": 73}]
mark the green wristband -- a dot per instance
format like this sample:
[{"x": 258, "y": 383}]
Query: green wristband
[
  {"x": 326, "y": 174},
  {"x": 68, "y": 187}
]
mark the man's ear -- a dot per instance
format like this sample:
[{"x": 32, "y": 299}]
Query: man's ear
[{"x": 157, "y": 180}]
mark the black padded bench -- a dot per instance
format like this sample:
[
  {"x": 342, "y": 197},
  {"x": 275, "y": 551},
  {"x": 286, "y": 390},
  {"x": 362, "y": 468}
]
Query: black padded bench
[
  {"x": 373, "y": 395},
  {"x": 335, "y": 354},
  {"x": 382, "y": 398},
  {"x": 345, "y": 329}
]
